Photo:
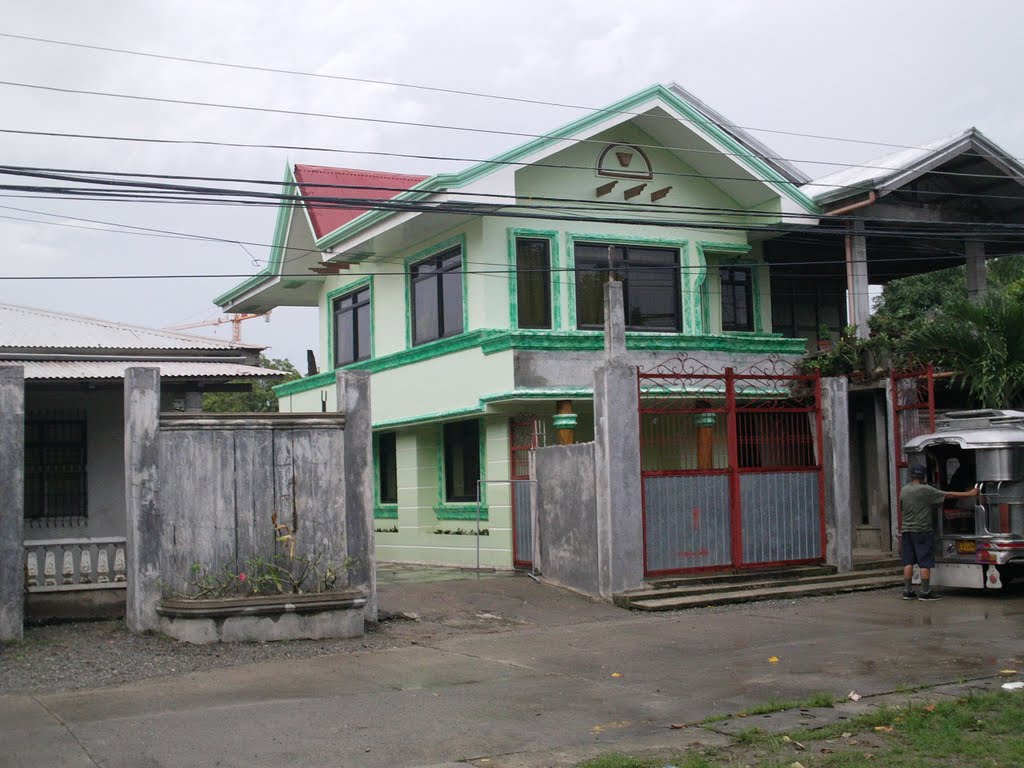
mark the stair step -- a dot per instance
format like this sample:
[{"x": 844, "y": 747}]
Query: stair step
[
  {"x": 656, "y": 602},
  {"x": 753, "y": 583},
  {"x": 670, "y": 582}
]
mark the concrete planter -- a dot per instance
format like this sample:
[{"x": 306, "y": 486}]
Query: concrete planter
[{"x": 264, "y": 618}]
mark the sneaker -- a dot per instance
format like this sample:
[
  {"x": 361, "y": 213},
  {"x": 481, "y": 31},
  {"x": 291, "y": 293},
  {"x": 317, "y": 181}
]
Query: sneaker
[
  {"x": 909, "y": 594},
  {"x": 929, "y": 595}
]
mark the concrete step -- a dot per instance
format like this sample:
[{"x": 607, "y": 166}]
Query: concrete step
[
  {"x": 794, "y": 578},
  {"x": 876, "y": 564},
  {"x": 856, "y": 582},
  {"x": 765, "y": 574}
]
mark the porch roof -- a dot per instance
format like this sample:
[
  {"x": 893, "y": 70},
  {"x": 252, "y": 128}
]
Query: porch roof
[{"x": 44, "y": 370}]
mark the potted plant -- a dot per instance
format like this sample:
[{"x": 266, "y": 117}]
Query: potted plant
[{"x": 824, "y": 338}]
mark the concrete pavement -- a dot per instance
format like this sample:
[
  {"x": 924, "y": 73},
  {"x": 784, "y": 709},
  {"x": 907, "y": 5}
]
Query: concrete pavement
[{"x": 559, "y": 674}]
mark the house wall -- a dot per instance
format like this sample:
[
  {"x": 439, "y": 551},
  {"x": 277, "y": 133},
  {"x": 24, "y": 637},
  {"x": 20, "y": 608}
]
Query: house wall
[{"x": 103, "y": 410}]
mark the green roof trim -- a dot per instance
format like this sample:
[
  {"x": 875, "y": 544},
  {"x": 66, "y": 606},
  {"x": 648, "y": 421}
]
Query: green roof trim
[{"x": 277, "y": 248}]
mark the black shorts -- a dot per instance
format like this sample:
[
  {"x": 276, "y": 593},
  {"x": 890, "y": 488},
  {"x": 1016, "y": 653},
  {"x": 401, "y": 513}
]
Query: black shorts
[{"x": 918, "y": 548}]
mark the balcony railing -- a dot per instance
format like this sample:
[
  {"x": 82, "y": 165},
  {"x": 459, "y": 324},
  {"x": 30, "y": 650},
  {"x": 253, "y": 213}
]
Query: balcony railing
[{"x": 68, "y": 565}]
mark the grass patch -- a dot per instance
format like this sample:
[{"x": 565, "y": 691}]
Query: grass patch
[{"x": 982, "y": 729}]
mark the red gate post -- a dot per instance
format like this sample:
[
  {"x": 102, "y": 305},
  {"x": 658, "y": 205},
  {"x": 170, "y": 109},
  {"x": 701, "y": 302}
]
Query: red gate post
[{"x": 735, "y": 513}]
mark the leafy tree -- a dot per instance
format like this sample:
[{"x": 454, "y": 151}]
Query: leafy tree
[
  {"x": 261, "y": 399},
  {"x": 983, "y": 344},
  {"x": 907, "y": 304}
]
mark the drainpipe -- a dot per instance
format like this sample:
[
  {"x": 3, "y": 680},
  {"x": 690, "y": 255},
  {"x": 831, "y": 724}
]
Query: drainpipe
[
  {"x": 851, "y": 308},
  {"x": 870, "y": 200}
]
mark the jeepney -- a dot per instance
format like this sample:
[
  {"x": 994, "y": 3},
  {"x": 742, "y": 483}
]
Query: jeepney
[{"x": 980, "y": 542}]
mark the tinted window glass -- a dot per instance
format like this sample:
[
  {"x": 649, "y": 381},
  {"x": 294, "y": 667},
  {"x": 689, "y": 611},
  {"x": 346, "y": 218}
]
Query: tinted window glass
[{"x": 533, "y": 283}]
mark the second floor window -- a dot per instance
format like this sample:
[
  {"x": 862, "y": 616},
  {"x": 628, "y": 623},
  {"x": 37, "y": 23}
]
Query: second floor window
[
  {"x": 737, "y": 298},
  {"x": 352, "y": 327},
  {"x": 650, "y": 286},
  {"x": 533, "y": 283},
  {"x": 437, "y": 296}
]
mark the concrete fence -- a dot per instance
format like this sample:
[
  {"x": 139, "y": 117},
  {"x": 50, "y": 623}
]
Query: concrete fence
[{"x": 205, "y": 488}]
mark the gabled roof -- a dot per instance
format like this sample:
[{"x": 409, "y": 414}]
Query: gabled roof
[
  {"x": 889, "y": 172},
  {"x": 321, "y": 181},
  {"x": 762, "y": 166},
  {"x": 26, "y": 328}
]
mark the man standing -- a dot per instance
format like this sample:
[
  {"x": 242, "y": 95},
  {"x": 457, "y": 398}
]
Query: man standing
[{"x": 917, "y": 541}]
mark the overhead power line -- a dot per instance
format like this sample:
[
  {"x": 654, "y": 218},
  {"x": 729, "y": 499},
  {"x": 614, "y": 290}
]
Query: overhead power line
[{"x": 437, "y": 89}]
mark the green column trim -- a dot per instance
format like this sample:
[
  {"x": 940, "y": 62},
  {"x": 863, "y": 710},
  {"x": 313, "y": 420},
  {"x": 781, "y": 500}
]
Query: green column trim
[
  {"x": 512, "y": 234},
  {"x": 355, "y": 285},
  {"x": 431, "y": 250},
  {"x": 735, "y": 254}
]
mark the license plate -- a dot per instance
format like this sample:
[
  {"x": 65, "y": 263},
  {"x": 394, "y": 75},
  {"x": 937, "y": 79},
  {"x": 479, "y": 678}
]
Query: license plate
[{"x": 966, "y": 547}]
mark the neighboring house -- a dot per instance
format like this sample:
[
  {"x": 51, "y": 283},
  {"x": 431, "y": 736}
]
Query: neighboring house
[
  {"x": 475, "y": 298},
  {"x": 74, "y": 475}
]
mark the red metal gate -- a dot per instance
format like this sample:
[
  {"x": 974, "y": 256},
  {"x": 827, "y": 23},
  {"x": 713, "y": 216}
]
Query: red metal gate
[
  {"x": 525, "y": 433},
  {"x": 731, "y": 467},
  {"x": 913, "y": 414}
]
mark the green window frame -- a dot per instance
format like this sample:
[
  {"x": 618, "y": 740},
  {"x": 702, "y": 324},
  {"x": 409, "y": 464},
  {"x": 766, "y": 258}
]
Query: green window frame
[
  {"x": 352, "y": 326},
  {"x": 462, "y": 464},
  {"x": 436, "y": 296},
  {"x": 533, "y": 283},
  {"x": 736, "y": 288}
]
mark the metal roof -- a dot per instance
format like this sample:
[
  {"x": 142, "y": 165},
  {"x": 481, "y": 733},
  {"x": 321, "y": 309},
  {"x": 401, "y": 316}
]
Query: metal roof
[
  {"x": 322, "y": 181},
  {"x": 31, "y": 328},
  {"x": 36, "y": 370},
  {"x": 886, "y": 173}
]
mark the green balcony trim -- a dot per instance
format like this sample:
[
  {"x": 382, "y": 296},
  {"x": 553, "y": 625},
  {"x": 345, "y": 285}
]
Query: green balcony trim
[
  {"x": 461, "y": 511},
  {"x": 385, "y": 512},
  {"x": 493, "y": 341}
]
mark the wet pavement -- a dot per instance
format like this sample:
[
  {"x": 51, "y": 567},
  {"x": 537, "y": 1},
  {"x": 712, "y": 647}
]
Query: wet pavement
[{"x": 539, "y": 677}]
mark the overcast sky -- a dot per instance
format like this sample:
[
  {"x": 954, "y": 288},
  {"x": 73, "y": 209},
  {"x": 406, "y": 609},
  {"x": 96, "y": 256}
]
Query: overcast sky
[{"x": 899, "y": 72}]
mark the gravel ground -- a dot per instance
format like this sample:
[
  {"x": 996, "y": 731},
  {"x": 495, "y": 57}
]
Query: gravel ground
[{"x": 73, "y": 656}]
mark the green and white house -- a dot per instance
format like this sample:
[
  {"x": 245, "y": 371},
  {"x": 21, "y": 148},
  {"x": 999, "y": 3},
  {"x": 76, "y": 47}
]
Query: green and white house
[{"x": 475, "y": 298}]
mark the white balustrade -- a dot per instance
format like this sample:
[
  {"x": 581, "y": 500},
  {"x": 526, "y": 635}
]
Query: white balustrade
[{"x": 76, "y": 557}]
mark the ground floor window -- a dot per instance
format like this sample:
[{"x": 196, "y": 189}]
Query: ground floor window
[
  {"x": 55, "y": 470},
  {"x": 461, "y": 460},
  {"x": 650, "y": 285},
  {"x": 387, "y": 468}
]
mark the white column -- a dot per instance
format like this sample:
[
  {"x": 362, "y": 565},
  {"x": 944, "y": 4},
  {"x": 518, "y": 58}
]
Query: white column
[
  {"x": 858, "y": 300},
  {"x": 977, "y": 277}
]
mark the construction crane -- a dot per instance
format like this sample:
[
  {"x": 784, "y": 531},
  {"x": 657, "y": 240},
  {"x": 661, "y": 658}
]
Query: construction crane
[{"x": 235, "y": 320}]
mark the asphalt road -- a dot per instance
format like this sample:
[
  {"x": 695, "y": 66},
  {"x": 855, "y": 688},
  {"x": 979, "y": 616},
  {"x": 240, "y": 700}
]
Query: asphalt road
[{"x": 554, "y": 673}]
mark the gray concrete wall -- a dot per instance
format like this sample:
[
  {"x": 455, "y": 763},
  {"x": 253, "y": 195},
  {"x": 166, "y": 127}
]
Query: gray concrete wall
[
  {"x": 565, "y": 504},
  {"x": 836, "y": 429},
  {"x": 12, "y": 501},
  {"x": 144, "y": 521},
  {"x": 223, "y": 478},
  {"x": 353, "y": 388},
  {"x": 103, "y": 410}
]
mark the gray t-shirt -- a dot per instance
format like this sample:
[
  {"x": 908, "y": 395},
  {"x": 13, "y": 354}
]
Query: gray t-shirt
[{"x": 916, "y": 502}]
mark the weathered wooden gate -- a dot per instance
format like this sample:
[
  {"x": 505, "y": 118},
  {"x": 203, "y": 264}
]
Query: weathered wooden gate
[
  {"x": 913, "y": 414},
  {"x": 731, "y": 466}
]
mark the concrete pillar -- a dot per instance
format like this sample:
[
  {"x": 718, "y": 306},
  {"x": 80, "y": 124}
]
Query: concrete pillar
[
  {"x": 858, "y": 299},
  {"x": 565, "y": 422},
  {"x": 614, "y": 322},
  {"x": 142, "y": 479},
  {"x": 12, "y": 502},
  {"x": 353, "y": 389},
  {"x": 977, "y": 276},
  {"x": 836, "y": 454},
  {"x": 617, "y": 458}
]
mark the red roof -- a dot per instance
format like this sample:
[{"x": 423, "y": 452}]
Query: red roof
[{"x": 321, "y": 181}]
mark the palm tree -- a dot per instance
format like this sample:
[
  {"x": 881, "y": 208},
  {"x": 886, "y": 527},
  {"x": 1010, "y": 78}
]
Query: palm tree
[{"x": 983, "y": 344}]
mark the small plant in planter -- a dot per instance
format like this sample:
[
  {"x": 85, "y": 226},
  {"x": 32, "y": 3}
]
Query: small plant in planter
[{"x": 824, "y": 338}]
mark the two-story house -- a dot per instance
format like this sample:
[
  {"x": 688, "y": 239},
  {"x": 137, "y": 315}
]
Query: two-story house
[{"x": 475, "y": 298}]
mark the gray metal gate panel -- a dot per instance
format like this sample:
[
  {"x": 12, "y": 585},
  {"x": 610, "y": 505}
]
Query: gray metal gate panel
[
  {"x": 781, "y": 517},
  {"x": 687, "y": 522},
  {"x": 523, "y": 520}
]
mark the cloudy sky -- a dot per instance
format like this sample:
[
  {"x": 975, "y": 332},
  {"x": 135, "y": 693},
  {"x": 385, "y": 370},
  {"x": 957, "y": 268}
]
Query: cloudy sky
[{"x": 902, "y": 73}]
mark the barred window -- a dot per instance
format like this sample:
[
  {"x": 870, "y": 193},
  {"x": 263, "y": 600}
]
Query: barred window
[{"x": 55, "y": 471}]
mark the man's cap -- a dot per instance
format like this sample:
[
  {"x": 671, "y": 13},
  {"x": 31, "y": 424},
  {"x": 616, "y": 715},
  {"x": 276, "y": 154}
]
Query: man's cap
[{"x": 919, "y": 472}]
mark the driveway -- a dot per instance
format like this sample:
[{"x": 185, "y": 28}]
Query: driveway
[{"x": 507, "y": 672}]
